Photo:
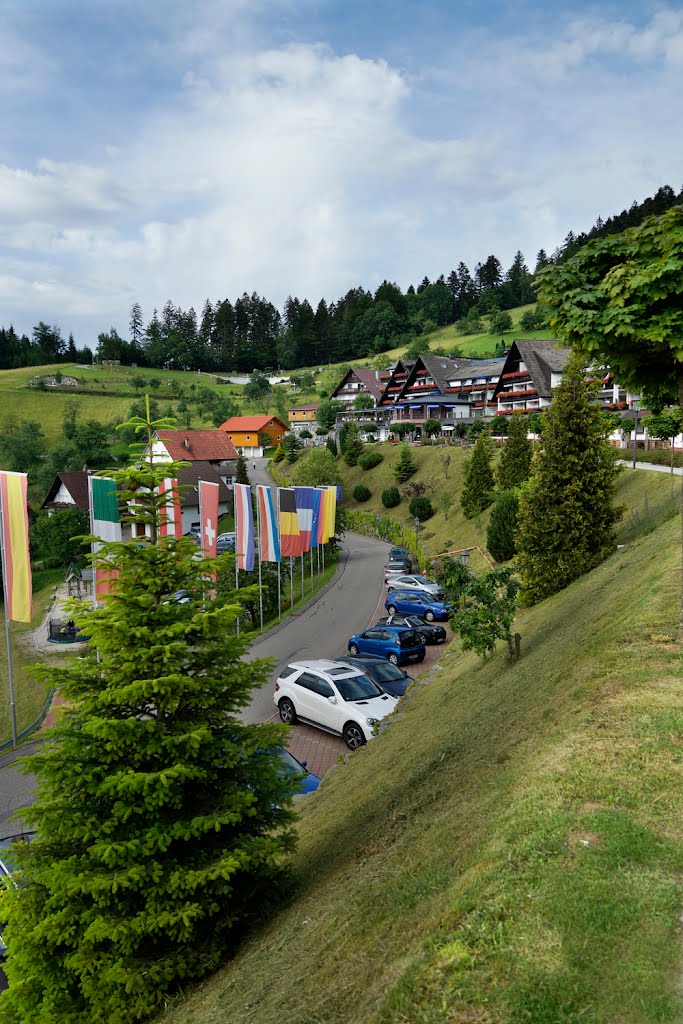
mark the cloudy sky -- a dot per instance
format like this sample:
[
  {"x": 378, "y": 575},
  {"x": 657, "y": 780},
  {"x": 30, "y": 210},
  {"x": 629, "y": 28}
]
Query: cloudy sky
[{"x": 153, "y": 150}]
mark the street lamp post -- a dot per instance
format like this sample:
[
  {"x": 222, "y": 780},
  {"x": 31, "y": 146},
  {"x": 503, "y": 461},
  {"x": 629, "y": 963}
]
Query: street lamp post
[
  {"x": 417, "y": 532},
  {"x": 635, "y": 434}
]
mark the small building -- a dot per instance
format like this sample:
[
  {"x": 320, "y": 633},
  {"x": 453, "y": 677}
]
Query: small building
[
  {"x": 212, "y": 446},
  {"x": 244, "y": 433},
  {"x": 303, "y": 417}
]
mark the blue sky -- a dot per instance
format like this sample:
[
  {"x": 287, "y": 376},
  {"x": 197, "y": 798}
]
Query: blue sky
[{"x": 165, "y": 150}]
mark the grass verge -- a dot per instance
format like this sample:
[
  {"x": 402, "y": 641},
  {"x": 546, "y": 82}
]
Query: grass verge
[{"x": 510, "y": 848}]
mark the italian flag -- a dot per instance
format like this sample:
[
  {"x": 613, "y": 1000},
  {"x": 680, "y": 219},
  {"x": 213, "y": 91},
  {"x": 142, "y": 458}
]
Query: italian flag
[{"x": 105, "y": 523}]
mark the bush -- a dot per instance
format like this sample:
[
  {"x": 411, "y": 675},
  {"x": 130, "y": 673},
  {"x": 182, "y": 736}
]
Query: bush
[
  {"x": 361, "y": 492},
  {"x": 421, "y": 508},
  {"x": 370, "y": 459},
  {"x": 391, "y": 497}
]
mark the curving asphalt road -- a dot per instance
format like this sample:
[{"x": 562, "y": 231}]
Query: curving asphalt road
[{"x": 350, "y": 603}]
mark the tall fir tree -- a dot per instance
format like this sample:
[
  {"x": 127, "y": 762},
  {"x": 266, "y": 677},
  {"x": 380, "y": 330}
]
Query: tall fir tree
[
  {"x": 161, "y": 817},
  {"x": 477, "y": 493},
  {"x": 502, "y": 528},
  {"x": 354, "y": 446},
  {"x": 567, "y": 514},
  {"x": 241, "y": 475},
  {"x": 406, "y": 465},
  {"x": 515, "y": 458}
]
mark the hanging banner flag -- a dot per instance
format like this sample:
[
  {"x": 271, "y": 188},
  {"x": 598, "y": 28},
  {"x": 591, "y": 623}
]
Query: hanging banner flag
[
  {"x": 105, "y": 523},
  {"x": 269, "y": 544},
  {"x": 290, "y": 537},
  {"x": 16, "y": 560},
  {"x": 208, "y": 516},
  {"x": 244, "y": 527},
  {"x": 305, "y": 502},
  {"x": 170, "y": 516},
  {"x": 328, "y": 510},
  {"x": 316, "y": 497}
]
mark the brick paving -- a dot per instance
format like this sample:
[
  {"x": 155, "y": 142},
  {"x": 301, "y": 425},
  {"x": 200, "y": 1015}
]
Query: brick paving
[{"x": 320, "y": 750}]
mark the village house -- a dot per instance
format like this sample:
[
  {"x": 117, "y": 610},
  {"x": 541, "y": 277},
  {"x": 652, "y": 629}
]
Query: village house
[
  {"x": 246, "y": 433},
  {"x": 303, "y": 417}
]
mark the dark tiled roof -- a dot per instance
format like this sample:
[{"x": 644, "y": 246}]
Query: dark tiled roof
[
  {"x": 370, "y": 380},
  {"x": 189, "y": 477},
  {"x": 542, "y": 358},
  {"x": 478, "y": 368},
  {"x": 197, "y": 445},
  {"x": 77, "y": 486}
]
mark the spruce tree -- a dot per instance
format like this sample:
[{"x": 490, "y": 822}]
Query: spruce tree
[
  {"x": 500, "y": 534},
  {"x": 241, "y": 475},
  {"x": 477, "y": 494},
  {"x": 161, "y": 817},
  {"x": 515, "y": 459},
  {"x": 331, "y": 446},
  {"x": 406, "y": 466},
  {"x": 354, "y": 447},
  {"x": 567, "y": 514}
]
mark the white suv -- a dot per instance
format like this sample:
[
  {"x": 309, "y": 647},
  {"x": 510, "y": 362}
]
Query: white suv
[{"x": 334, "y": 697}]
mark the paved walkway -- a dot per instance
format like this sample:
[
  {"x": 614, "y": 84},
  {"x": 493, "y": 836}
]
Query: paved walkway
[{"x": 651, "y": 466}]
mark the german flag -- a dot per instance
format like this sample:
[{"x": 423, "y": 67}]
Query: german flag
[{"x": 291, "y": 541}]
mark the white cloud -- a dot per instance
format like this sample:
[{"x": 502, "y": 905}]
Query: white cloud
[{"x": 295, "y": 170}]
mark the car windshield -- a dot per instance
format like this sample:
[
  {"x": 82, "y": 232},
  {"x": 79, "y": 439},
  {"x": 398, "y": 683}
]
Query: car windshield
[
  {"x": 409, "y": 638},
  {"x": 289, "y": 761},
  {"x": 387, "y": 673},
  {"x": 414, "y": 620},
  {"x": 357, "y": 688}
]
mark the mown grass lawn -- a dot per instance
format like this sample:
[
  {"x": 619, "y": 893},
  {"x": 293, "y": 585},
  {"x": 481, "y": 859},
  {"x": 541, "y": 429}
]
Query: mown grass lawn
[{"x": 510, "y": 849}]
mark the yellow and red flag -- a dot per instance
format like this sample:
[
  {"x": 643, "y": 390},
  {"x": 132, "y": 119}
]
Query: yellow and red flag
[{"x": 16, "y": 560}]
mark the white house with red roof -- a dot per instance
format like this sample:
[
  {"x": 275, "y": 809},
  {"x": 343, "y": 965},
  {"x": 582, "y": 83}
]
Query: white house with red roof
[{"x": 211, "y": 446}]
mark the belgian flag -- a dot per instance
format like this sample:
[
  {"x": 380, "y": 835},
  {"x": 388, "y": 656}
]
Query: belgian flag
[{"x": 291, "y": 541}]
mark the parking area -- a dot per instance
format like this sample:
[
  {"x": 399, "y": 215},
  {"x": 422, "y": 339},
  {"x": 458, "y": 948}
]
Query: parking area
[{"x": 320, "y": 750}]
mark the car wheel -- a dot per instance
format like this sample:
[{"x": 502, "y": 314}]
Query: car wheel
[
  {"x": 354, "y": 736},
  {"x": 393, "y": 658},
  {"x": 421, "y": 658},
  {"x": 390, "y": 588},
  {"x": 353, "y": 649},
  {"x": 392, "y": 609},
  {"x": 287, "y": 712},
  {"x": 429, "y": 616}
]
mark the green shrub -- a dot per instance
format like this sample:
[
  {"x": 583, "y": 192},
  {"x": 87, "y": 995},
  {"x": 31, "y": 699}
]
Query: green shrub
[
  {"x": 370, "y": 459},
  {"x": 361, "y": 492},
  {"x": 391, "y": 497},
  {"x": 421, "y": 508}
]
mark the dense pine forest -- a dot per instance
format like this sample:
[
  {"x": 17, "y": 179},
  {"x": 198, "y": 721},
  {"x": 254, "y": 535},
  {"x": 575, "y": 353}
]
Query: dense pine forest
[{"x": 252, "y": 333}]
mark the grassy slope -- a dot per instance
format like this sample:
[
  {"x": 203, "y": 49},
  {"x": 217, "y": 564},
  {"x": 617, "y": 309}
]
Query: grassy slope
[
  {"x": 510, "y": 849},
  {"x": 646, "y": 496}
]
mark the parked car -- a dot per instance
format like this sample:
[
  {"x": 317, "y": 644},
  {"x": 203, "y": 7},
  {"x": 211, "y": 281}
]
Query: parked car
[
  {"x": 225, "y": 542},
  {"x": 415, "y": 582},
  {"x": 415, "y": 602},
  {"x": 430, "y": 633},
  {"x": 8, "y": 867},
  {"x": 396, "y": 643},
  {"x": 392, "y": 678},
  {"x": 402, "y": 555},
  {"x": 292, "y": 766},
  {"x": 394, "y": 569},
  {"x": 333, "y": 697},
  {"x": 195, "y": 530}
]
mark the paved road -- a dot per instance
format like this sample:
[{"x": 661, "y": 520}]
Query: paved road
[
  {"x": 651, "y": 466},
  {"x": 351, "y": 603}
]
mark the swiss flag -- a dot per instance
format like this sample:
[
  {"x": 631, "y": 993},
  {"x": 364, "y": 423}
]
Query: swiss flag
[{"x": 208, "y": 516}]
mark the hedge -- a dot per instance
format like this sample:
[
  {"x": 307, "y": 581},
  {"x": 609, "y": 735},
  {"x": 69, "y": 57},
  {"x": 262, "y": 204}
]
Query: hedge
[{"x": 386, "y": 528}]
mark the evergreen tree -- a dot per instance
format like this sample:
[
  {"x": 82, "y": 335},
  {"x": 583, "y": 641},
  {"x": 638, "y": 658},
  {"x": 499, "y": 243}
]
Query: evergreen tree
[
  {"x": 136, "y": 325},
  {"x": 354, "y": 446},
  {"x": 241, "y": 475},
  {"x": 567, "y": 513},
  {"x": 161, "y": 817},
  {"x": 331, "y": 446},
  {"x": 477, "y": 494},
  {"x": 500, "y": 534},
  {"x": 406, "y": 465},
  {"x": 515, "y": 459}
]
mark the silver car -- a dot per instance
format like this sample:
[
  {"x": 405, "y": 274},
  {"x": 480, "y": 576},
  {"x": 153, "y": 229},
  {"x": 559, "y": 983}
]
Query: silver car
[{"x": 415, "y": 582}]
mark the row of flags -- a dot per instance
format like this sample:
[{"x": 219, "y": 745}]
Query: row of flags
[{"x": 303, "y": 519}]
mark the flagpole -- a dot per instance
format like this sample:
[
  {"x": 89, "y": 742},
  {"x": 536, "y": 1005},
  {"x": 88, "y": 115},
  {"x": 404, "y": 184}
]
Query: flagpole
[
  {"x": 302, "y": 576},
  {"x": 279, "y": 586},
  {"x": 291, "y": 583},
  {"x": 260, "y": 591},
  {"x": 10, "y": 674},
  {"x": 311, "y": 553},
  {"x": 237, "y": 587}
]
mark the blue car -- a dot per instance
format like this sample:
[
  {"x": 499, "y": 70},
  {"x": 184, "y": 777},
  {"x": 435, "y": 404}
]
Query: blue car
[
  {"x": 397, "y": 643},
  {"x": 414, "y": 602},
  {"x": 292, "y": 766}
]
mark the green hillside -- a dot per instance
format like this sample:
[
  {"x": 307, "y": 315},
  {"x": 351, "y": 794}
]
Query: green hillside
[{"x": 509, "y": 849}]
